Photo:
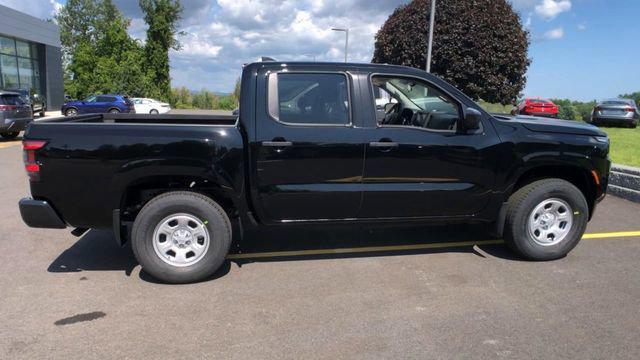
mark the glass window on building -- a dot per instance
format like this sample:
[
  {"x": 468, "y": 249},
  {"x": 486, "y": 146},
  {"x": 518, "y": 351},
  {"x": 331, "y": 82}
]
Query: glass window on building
[
  {"x": 19, "y": 66},
  {"x": 7, "y": 46},
  {"x": 23, "y": 49},
  {"x": 9, "y": 68}
]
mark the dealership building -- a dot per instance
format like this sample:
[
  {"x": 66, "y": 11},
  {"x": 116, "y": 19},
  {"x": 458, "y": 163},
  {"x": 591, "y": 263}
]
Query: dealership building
[{"x": 30, "y": 56}]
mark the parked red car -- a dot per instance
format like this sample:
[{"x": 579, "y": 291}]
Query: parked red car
[{"x": 537, "y": 107}]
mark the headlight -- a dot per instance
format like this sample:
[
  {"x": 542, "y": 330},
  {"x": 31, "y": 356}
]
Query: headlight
[{"x": 602, "y": 139}]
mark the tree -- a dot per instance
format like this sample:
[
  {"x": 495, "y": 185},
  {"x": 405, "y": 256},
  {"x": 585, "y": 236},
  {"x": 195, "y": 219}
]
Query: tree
[
  {"x": 479, "y": 46},
  {"x": 162, "y": 17},
  {"x": 236, "y": 91},
  {"x": 100, "y": 56},
  {"x": 634, "y": 96}
]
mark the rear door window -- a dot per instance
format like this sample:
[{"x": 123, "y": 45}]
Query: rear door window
[{"x": 309, "y": 98}]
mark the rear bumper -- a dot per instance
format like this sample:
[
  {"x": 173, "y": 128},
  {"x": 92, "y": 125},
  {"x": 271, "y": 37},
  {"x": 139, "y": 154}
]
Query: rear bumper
[
  {"x": 541, "y": 114},
  {"x": 614, "y": 119},
  {"x": 11, "y": 125},
  {"x": 39, "y": 214}
]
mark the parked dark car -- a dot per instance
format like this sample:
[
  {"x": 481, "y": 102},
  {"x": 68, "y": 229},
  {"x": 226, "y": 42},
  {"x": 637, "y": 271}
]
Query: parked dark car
[
  {"x": 37, "y": 102},
  {"x": 99, "y": 104},
  {"x": 310, "y": 148},
  {"x": 15, "y": 114},
  {"x": 616, "y": 112}
]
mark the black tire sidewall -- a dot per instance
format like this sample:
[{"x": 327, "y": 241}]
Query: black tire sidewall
[
  {"x": 522, "y": 240},
  {"x": 194, "y": 204}
]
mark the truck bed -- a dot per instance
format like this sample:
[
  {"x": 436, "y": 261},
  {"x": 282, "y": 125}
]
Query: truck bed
[{"x": 90, "y": 162}]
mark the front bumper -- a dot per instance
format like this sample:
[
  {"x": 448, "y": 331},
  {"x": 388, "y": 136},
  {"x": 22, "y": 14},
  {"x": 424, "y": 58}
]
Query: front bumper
[
  {"x": 11, "y": 125},
  {"x": 39, "y": 214}
]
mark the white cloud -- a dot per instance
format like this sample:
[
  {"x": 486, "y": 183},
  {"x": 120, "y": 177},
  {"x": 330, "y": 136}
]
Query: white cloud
[
  {"x": 549, "y": 9},
  {"x": 527, "y": 22},
  {"x": 554, "y": 34},
  {"x": 582, "y": 26}
]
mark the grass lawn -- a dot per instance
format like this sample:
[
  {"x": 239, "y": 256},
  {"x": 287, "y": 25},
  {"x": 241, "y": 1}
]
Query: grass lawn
[{"x": 625, "y": 145}]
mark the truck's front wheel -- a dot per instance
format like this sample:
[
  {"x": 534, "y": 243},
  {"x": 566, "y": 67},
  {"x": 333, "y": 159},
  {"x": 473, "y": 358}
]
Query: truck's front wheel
[
  {"x": 545, "y": 219},
  {"x": 181, "y": 237}
]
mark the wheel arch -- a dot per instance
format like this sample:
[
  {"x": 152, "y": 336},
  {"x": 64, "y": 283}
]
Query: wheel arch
[
  {"x": 580, "y": 177},
  {"x": 137, "y": 194}
]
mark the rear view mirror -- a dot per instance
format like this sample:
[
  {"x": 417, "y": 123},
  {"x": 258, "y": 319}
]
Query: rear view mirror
[
  {"x": 388, "y": 106},
  {"x": 471, "y": 119}
]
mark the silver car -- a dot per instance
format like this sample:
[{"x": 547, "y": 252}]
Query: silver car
[
  {"x": 616, "y": 111},
  {"x": 15, "y": 114}
]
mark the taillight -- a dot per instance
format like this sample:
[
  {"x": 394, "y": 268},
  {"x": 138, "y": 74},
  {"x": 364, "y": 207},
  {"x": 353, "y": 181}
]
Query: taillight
[
  {"x": 630, "y": 109},
  {"x": 7, "y": 107},
  {"x": 30, "y": 164}
]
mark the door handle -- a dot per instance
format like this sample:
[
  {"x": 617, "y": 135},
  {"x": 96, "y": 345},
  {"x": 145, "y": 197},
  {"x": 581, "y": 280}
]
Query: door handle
[
  {"x": 277, "y": 143},
  {"x": 383, "y": 144}
]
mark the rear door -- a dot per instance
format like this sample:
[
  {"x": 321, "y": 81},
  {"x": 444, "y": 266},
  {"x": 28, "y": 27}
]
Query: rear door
[
  {"x": 103, "y": 103},
  {"x": 308, "y": 155}
]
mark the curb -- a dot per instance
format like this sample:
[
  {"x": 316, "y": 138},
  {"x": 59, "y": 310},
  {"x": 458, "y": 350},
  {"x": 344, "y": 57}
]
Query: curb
[{"x": 624, "y": 182}]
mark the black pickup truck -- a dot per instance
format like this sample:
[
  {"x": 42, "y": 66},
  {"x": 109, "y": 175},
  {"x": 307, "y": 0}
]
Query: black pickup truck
[{"x": 315, "y": 143}]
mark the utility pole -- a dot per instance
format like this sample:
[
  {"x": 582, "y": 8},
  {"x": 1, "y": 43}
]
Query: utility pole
[
  {"x": 432, "y": 19},
  {"x": 346, "y": 42}
]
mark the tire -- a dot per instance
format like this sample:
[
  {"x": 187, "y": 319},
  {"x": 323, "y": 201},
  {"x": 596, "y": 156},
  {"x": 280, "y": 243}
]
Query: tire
[
  {"x": 198, "y": 210},
  {"x": 71, "y": 112},
  {"x": 10, "y": 135},
  {"x": 154, "y": 112},
  {"x": 114, "y": 111},
  {"x": 520, "y": 212}
]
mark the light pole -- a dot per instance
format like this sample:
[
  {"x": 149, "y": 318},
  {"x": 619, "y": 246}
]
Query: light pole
[
  {"x": 432, "y": 18},
  {"x": 346, "y": 41}
]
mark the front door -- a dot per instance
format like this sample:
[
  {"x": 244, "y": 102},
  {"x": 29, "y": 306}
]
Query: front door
[
  {"x": 308, "y": 155},
  {"x": 417, "y": 163}
]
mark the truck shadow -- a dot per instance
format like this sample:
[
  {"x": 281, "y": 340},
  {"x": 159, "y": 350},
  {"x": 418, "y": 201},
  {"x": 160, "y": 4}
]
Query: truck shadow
[{"x": 97, "y": 250}]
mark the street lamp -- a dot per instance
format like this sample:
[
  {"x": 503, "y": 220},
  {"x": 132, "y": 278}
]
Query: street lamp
[
  {"x": 432, "y": 17},
  {"x": 346, "y": 42}
]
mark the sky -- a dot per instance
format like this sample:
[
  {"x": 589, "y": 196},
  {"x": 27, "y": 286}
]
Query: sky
[{"x": 580, "y": 49}]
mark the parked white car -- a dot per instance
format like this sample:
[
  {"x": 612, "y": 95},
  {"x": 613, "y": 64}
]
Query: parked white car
[{"x": 150, "y": 106}]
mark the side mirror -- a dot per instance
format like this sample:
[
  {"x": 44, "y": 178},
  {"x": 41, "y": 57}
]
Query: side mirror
[
  {"x": 388, "y": 106},
  {"x": 471, "y": 119}
]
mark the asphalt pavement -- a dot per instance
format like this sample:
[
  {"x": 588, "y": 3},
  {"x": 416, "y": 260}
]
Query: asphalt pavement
[{"x": 352, "y": 292}]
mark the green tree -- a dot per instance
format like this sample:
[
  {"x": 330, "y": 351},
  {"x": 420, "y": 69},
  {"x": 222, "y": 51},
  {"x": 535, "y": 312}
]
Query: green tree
[
  {"x": 635, "y": 96},
  {"x": 100, "y": 56},
  {"x": 479, "y": 46},
  {"x": 566, "y": 109},
  {"x": 162, "y": 17},
  {"x": 236, "y": 91}
]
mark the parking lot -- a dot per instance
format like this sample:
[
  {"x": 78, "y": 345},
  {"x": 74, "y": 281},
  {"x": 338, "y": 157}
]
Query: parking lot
[{"x": 419, "y": 292}]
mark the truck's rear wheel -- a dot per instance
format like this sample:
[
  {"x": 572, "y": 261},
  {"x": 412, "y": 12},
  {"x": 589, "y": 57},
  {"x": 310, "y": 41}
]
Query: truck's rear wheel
[
  {"x": 545, "y": 219},
  {"x": 181, "y": 237}
]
